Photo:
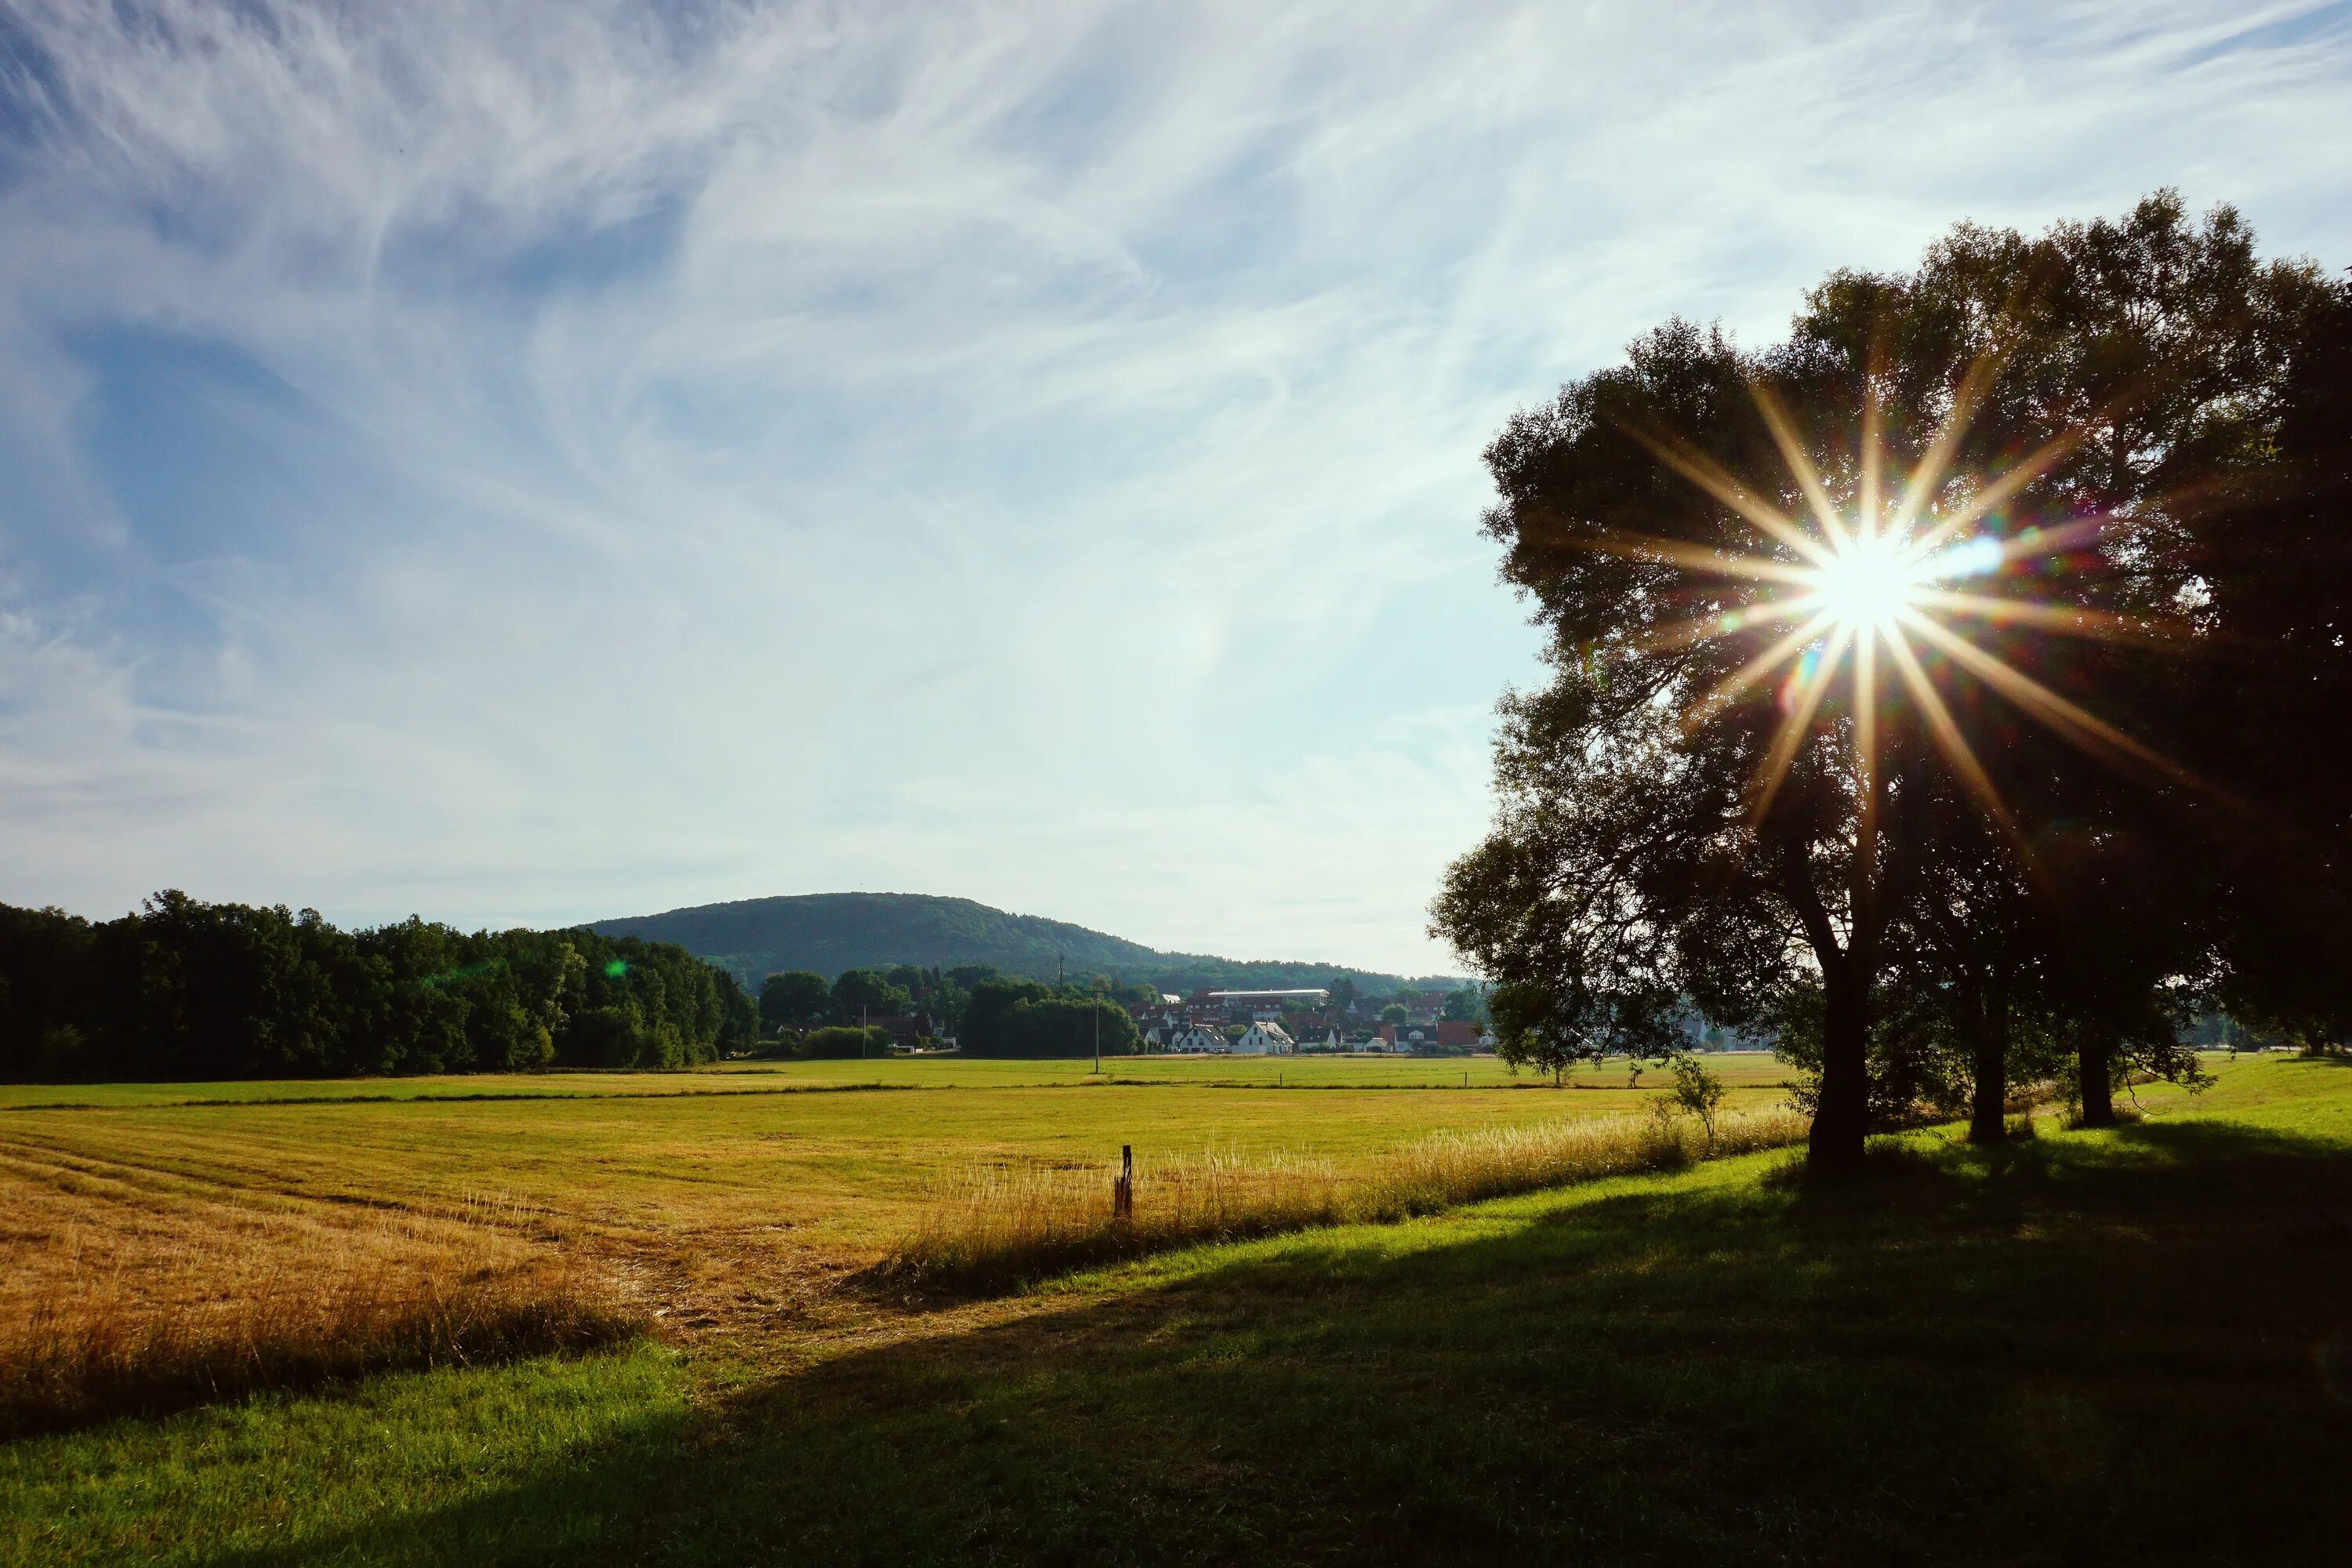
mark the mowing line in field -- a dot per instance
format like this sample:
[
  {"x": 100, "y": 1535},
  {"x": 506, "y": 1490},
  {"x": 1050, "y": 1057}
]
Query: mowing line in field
[{"x": 236, "y": 1104}]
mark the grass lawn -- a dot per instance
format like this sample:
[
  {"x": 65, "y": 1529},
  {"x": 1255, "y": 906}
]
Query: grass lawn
[{"x": 2126, "y": 1345}]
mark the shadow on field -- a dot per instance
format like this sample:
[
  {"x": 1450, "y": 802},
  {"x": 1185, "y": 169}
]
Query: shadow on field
[{"x": 2072, "y": 1348}]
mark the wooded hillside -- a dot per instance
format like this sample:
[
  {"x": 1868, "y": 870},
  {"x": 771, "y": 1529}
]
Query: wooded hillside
[{"x": 828, "y": 932}]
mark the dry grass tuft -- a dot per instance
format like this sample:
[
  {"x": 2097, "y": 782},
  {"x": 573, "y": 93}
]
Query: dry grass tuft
[
  {"x": 131, "y": 1292},
  {"x": 97, "y": 1357},
  {"x": 1001, "y": 1226}
]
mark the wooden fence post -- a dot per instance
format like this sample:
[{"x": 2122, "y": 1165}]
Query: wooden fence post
[{"x": 1122, "y": 1191}]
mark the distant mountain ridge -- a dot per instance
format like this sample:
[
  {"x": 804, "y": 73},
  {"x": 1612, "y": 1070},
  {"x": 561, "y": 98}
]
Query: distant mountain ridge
[{"x": 829, "y": 932}]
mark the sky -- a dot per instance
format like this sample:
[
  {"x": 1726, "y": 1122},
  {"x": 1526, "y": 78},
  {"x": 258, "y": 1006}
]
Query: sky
[{"x": 542, "y": 460}]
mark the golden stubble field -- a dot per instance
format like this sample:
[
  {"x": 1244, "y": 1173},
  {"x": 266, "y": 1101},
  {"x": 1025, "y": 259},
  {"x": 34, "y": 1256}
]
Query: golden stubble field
[{"x": 728, "y": 1202}]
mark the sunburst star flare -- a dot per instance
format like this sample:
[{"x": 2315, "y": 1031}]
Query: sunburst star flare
[{"x": 1853, "y": 584}]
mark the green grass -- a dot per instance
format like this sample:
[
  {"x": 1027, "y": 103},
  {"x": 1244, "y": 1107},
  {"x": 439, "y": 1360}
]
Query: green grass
[
  {"x": 2133, "y": 1345},
  {"x": 312, "y": 1479},
  {"x": 1741, "y": 1070}
]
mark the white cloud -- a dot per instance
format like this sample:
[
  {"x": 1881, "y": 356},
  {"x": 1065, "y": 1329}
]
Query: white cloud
[{"x": 627, "y": 461}]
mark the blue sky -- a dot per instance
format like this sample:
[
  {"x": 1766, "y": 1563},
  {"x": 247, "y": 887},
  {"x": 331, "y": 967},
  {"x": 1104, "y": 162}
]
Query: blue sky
[{"x": 531, "y": 461}]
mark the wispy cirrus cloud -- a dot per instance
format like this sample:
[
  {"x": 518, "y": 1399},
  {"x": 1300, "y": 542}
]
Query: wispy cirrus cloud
[{"x": 544, "y": 460}]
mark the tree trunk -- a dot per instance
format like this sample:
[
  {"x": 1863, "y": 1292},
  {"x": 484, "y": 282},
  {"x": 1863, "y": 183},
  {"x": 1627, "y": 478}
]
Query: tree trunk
[
  {"x": 1842, "y": 1117},
  {"x": 1988, "y": 1100},
  {"x": 2093, "y": 1058}
]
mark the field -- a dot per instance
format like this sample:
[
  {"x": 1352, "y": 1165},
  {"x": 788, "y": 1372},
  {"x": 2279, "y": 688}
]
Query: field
[
  {"x": 710, "y": 1194},
  {"x": 1740, "y": 1068},
  {"x": 2105, "y": 1344}
]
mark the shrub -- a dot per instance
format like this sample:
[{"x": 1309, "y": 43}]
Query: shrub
[{"x": 841, "y": 1040}]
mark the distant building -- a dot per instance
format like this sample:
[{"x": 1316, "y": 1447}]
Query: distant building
[
  {"x": 1191, "y": 1040},
  {"x": 1243, "y": 1007},
  {"x": 904, "y": 1031},
  {"x": 1452, "y": 1037},
  {"x": 1265, "y": 1039}
]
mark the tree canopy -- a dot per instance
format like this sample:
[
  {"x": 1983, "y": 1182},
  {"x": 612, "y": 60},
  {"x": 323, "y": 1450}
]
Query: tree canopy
[
  {"x": 795, "y": 997},
  {"x": 1866, "y": 659},
  {"x": 869, "y": 992},
  {"x": 1028, "y": 1018}
]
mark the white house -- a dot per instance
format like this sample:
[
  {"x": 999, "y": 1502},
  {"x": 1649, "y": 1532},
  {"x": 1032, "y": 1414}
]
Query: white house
[
  {"x": 1194, "y": 1040},
  {"x": 1265, "y": 1039}
]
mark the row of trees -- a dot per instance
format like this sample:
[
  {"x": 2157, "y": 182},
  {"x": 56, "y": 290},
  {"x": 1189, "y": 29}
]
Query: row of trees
[
  {"x": 990, "y": 1013},
  {"x": 185, "y": 989},
  {"x": 1027, "y": 1018},
  {"x": 2019, "y": 807},
  {"x": 802, "y": 999}
]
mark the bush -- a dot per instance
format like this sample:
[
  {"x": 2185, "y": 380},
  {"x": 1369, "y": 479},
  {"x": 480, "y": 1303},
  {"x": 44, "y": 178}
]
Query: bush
[
  {"x": 841, "y": 1040},
  {"x": 1696, "y": 1092}
]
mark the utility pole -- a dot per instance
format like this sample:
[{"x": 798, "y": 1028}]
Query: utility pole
[
  {"x": 1097, "y": 1011},
  {"x": 861, "y": 1031}
]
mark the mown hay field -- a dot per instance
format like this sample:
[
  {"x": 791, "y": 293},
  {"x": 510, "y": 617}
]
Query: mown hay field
[{"x": 173, "y": 1220}]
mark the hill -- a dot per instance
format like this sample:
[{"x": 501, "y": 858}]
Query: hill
[{"x": 829, "y": 932}]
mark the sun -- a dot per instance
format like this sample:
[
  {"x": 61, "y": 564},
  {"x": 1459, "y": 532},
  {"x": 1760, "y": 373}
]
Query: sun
[
  {"x": 1868, "y": 582},
  {"x": 1864, "y": 587}
]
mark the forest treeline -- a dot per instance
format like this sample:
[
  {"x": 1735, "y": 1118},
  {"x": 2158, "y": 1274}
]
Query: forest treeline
[{"x": 185, "y": 989}]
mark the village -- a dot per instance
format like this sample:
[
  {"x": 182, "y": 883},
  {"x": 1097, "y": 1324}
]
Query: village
[{"x": 1283, "y": 1023}]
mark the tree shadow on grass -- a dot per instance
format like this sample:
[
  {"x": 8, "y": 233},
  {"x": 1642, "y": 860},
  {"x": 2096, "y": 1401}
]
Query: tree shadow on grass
[{"x": 2074, "y": 1348}]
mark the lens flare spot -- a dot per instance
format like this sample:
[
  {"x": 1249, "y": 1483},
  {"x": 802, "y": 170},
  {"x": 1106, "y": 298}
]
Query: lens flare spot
[
  {"x": 1800, "y": 675},
  {"x": 1969, "y": 558}
]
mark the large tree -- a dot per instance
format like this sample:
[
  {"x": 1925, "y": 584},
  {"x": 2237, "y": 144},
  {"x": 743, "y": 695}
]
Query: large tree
[
  {"x": 1801, "y": 603},
  {"x": 868, "y": 993},
  {"x": 794, "y": 997},
  {"x": 2270, "y": 566}
]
